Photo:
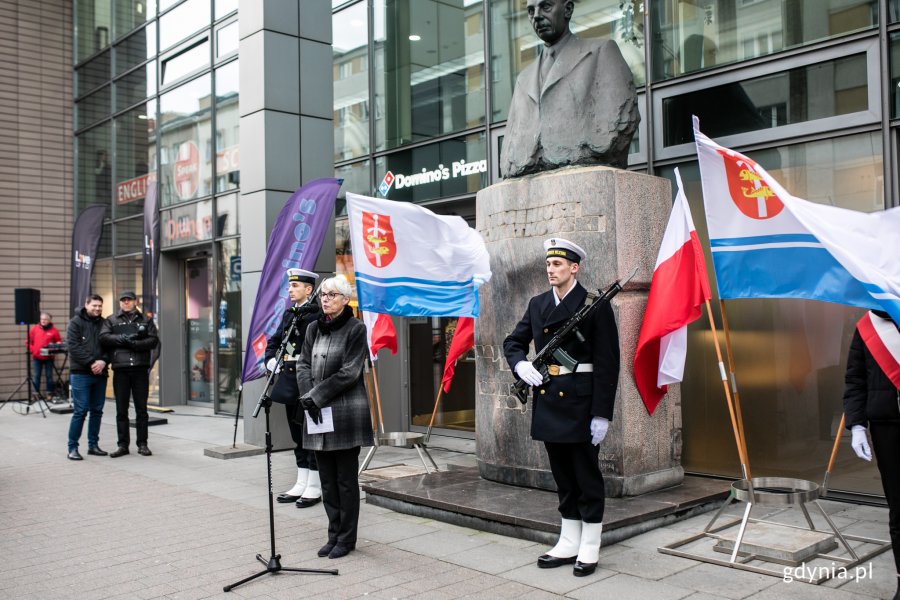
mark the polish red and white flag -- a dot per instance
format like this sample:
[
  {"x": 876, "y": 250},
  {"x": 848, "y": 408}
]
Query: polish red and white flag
[
  {"x": 380, "y": 333},
  {"x": 678, "y": 290},
  {"x": 882, "y": 338}
]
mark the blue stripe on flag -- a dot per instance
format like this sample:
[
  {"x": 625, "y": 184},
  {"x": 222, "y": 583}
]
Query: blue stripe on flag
[
  {"x": 410, "y": 300},
  {"x": 792, "y": 272},
  {"x": 781, "y": 238},
  {"x": 411, "y": 280}
]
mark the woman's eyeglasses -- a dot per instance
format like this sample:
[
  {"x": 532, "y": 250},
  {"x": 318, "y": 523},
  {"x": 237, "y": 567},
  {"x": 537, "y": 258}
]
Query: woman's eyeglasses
[{"x": 329, "y": 295}]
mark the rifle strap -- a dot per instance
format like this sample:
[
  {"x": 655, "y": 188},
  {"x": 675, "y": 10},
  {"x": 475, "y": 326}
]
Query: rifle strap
[{"x": 590, "y": 298}]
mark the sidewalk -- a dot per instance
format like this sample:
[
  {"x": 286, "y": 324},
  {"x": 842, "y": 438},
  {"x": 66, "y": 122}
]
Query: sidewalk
[{"x": 181, "y": 525}]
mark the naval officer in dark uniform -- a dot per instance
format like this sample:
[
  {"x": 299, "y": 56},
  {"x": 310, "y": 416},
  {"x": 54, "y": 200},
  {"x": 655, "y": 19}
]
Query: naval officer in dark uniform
[
  {"x": 571, "y": 410},
  {"x": 308, "y": 489}
]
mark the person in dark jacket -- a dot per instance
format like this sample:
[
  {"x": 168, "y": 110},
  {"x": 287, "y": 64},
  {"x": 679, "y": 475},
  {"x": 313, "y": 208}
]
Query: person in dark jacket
[
  {"x": 39, "y": 337},
  {"x": 571, "y": 410},
  {"x": 307, "y": 491},
  {"x": 130, "y": 337},
  {"x": 872, "y": 401},
  {"x": 333, "y": 395},
  {"x": 87, "y": 375}
]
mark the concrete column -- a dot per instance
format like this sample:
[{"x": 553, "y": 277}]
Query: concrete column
[
  {"x": 286, "y": 106},
  {"x": 619, "y": 218}
]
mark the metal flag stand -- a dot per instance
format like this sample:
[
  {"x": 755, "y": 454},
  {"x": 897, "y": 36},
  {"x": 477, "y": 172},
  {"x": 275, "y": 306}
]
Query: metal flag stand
[
  {"x": 781, "y": 492},
  {"x": 397, "y": 439}
]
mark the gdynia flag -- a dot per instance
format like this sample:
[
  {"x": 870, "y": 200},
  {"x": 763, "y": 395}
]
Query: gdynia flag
[
  {"x": 412, "y": 262},
  {"x": 767, "y": 243}
]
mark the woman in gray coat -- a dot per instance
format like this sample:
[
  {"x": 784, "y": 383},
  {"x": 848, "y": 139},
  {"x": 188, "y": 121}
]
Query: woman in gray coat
[{"x": 330, "y": 376}]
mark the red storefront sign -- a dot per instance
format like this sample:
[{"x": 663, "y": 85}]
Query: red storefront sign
[
  {"x": 187, "y": 170},
  {"x": 133, "y": 189}
]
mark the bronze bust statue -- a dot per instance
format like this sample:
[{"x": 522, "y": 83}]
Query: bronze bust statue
[{"x": 575, "y": 105}]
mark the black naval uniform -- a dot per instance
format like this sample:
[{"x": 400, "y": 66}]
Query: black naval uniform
[
  {"x": 563, "y": 408},
  {"x": 285, "y": 390}
]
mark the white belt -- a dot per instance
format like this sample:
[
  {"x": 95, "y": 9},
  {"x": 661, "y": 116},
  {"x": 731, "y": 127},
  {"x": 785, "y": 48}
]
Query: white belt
[
  {"x": 561, "y": 370},
  {"x": 290, "y": 359}
]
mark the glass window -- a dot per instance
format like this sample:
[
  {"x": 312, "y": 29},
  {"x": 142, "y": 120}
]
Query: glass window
[
  {"x": 895, "y": 74},
  {"x": 106, "y": 241},
  {"x": 93, "y": 25},
  {"x": 102, "y": 284},
  {"x": 514, "y": 45},
  {"x": 690, "y": 37},
  {"x": 351, "y": 82},
  {"x": 136, "y": 87},
  {"x": 224, "y": 7},
  {"x": 93, "y": 108},
  {"x": 449, "y": 168},
  {"x": 94, "y": 167},
  {"x": 227, "y": 216},
  {"x": 227, "y": 39},
  {"x": 187, "y": 61},
  {"x": 186, "y": 224},
  {"x": 356, "y": 180},
  {"x": 807, "y": 93},
  {"x": 180, "y": 22},
  {"x": 228, "y": 130},
  {"x": 135, "y": 158},
  {"x": 894, "y": 10},
  {"x": 164, "y": 4},
  {"x": 136, "y": 48},
  {"x": 130, "y": 236},
  {"x": 792, "y": 365},
  {"x": 185, "y": 121},
  {"x": 133, "y": 13},
  {"x": 429, "y": 69},
  {"x": 228, "y": 319},
  {"x": 93, "y": 73}
]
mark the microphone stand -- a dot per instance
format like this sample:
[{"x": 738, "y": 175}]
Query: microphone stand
[{"x": 273, "y": 565}]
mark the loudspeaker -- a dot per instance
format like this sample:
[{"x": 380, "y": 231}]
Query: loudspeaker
[{"x": 28, "y": 306}]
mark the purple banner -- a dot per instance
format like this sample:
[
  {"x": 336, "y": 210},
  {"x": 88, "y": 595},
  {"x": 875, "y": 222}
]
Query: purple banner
[
  {"x": 85, "y": 242},
  {"x": 294, "y": 244}
]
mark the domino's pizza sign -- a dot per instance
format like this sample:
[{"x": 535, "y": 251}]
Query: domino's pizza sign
[{"x": 386, "y": 184}]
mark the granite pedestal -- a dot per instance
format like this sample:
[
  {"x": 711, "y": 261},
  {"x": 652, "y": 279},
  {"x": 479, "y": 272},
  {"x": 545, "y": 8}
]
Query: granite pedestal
[{"x": 619, "y": 218}]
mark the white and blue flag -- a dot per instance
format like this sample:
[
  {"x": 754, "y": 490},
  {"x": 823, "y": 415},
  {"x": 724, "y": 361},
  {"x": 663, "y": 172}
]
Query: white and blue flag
[
  {"x": 767, "y": 243},
  {"x": 412, "y": 262}
]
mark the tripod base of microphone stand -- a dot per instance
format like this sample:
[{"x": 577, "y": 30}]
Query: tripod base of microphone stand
[{"x": 273, "y": 565}]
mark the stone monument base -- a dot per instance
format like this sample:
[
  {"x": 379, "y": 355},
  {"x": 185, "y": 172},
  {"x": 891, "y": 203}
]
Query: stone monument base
[{"x": 619, "y": 218}]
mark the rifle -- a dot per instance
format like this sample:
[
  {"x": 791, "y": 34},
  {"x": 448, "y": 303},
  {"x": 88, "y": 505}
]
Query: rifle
[{"x": 554, "y": 349}]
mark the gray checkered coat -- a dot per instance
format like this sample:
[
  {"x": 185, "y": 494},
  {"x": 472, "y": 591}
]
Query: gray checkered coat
[{"x": 330, "y": 371}]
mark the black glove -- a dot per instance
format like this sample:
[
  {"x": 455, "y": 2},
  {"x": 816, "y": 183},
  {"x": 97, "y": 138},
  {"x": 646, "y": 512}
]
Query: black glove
[
  {"x": 314, "y": 412},
  {"x": 126, "y": 339}
]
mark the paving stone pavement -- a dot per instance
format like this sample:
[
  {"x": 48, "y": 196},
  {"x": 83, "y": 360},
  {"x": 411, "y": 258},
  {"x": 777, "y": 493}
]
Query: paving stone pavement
[{"x": 180, "y": 525}]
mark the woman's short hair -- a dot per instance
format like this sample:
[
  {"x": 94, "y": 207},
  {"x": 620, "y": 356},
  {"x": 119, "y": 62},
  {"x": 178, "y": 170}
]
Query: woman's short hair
[{"x": 339, "y": 284}]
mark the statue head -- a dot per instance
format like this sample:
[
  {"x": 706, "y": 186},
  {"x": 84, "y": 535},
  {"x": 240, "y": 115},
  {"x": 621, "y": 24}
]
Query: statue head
[{"x": 550, "y": 18}]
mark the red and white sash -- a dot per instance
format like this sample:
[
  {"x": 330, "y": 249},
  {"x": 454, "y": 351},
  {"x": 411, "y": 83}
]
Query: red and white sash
[{"x": 883, "y": 341}]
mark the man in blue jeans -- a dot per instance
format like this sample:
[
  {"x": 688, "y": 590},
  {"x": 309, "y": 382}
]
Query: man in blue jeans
[{"x": 87, "y": 368}]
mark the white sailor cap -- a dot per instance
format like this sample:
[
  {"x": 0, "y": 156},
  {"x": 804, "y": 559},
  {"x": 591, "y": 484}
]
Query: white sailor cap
[
  {"x": 564, "y": 249},
  {"x": 302, "y": 275}
]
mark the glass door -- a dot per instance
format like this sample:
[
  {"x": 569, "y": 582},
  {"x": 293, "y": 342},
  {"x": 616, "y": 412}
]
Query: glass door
[{"x": 199, "y": 327}]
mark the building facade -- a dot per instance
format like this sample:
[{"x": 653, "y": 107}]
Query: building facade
[{"x": 229, "y": 105}]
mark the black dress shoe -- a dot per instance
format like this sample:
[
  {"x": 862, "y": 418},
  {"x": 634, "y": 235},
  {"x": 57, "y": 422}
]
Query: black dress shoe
[
  {"x": 307, "y": 502},
  {"x": 326, "y": 549},
  {"x": 582, "y": 569},
  {"x": 144, "y": 451},
  {"x": 96, "y": 451},
  {"x": 340, "y": 550},
  {"x": 120, "y": 451},
  {"x": 286, "y": 499},
  {"x": 545, "y": 561},
  {"x": 74, "y": 455}
]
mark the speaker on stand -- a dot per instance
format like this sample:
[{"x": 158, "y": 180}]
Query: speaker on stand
[{"x": 28, "y": 313}]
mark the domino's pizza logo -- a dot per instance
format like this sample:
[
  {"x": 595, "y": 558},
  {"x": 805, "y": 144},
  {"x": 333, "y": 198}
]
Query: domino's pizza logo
[{"x": 386, "y": 184}]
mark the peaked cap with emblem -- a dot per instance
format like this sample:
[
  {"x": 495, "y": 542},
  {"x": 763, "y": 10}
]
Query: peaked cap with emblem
[
  {"x": 561, "y": 248},
  {"x": 302, "y": 275}
]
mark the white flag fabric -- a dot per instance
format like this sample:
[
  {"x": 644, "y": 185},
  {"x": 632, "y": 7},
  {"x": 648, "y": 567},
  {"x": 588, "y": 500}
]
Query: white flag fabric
[{"x": 410, "y": 261}]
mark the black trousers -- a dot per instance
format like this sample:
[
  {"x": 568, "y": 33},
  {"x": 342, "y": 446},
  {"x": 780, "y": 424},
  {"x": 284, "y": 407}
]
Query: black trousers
[
  {"x": 306, "y": 459},
  {"x": 131, "y": 383},
  {"x": 579, "y": 482},
  {"x": 886, "y": 446},
  {"x": 340, "y": 493}
]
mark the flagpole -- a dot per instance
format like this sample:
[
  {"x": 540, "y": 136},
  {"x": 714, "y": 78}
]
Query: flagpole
[
  {"x": 378, "y": 399},
  {"x": 434, "y": 412},
  {"x": 369, "y": 396},
  {"x": 834, "y": 451},
  {"x": 734, "y": 388},
  {"x": 745, "y": 467}
]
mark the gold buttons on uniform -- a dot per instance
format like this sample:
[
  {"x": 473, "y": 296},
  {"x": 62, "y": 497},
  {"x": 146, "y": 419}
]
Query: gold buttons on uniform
[
  {"x": 546, "y": 330},
  {"x": 561, "y": 394},
  {"x": 543, "y": 392}
]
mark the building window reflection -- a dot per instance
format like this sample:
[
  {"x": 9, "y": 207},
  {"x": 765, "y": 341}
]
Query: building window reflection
[{"x": 185, "y": 114}]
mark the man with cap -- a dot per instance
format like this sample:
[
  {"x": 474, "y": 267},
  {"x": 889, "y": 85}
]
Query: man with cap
[
  {"x": 130, "y": 337},
  {"x": 307, "y": 491},
  {"x": 571, "y": 410}
]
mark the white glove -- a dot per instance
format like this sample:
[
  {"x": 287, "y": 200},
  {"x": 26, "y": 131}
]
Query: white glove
[
  {"x": 270, "y": 365},
  {"x": 527, "y": 373},
  {"x": 860, "y": 442},
  {"x": 599, "y": 427}
]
